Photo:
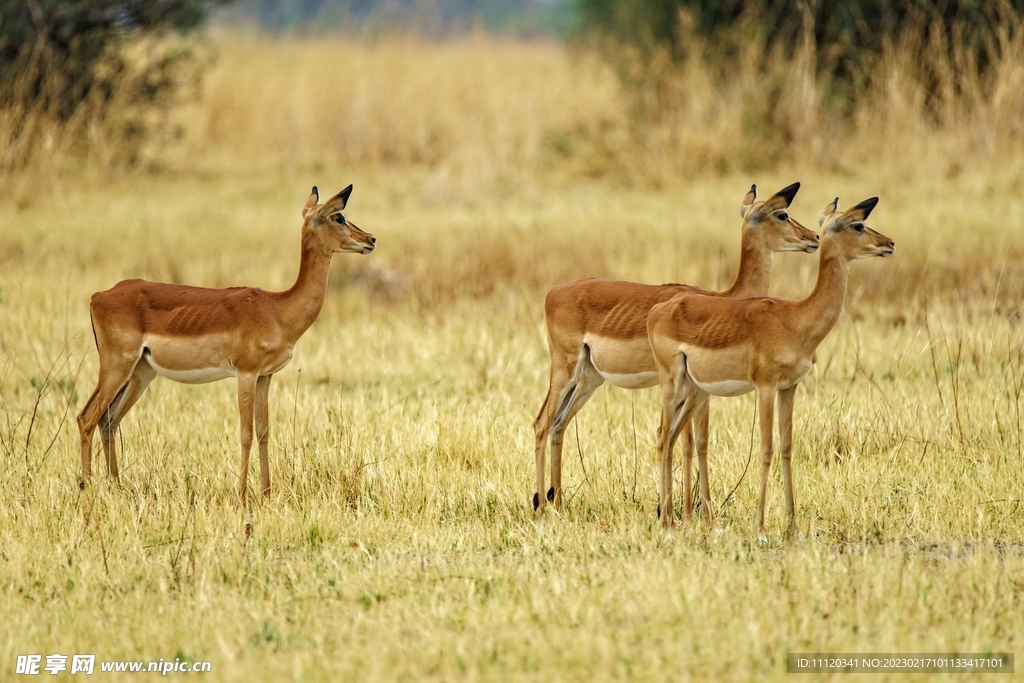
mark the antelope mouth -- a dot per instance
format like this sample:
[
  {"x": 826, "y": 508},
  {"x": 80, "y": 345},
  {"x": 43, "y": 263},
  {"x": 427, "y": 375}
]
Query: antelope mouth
[
  {"x": 368, "y": 249},
  {"x": 811, "y": 247},
  {"x": 887, "y": 251}
]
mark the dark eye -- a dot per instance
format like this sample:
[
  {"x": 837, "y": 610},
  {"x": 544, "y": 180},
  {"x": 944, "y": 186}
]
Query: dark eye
[
  {"x": 859, "y": 227},
  {"x": 783, "y": 216},
  {"x": 341, "y": 219}
]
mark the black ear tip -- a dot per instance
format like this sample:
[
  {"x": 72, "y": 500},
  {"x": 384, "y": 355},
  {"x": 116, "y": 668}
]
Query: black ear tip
[
  {"x": 836, "y": 201},
  {"x": 316, "y": 191},
  {"x": 753, "y": 188},
  {"x": 865, "y": 207},
  {"x": 789, "y": 192}
]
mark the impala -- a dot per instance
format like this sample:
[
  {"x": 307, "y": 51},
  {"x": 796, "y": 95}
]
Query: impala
[
  {"x": 196, "y": 335},
  {"x": 708, "y": 346},
  {"x": 597, "y": 329}
]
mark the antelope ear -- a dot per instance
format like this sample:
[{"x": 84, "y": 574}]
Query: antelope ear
[
  {"x": 748, "y": 201},
  {"x": 337, "y": 202},
  {"x": 865, "y": 208},
  {"x": 314, "y": 197},
  {"x": 829, "y": 210},
  {"x": 778, "y": 201},
  {"x": 784, "y": 197}
]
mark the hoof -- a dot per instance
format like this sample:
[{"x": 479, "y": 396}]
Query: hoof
[
  {"x": 81, "y": 484},
  {"x": 536, "y": 501},
  {"x": 551, "y": 494}
]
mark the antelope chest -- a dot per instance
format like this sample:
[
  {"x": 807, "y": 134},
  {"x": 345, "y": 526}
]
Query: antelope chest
[
  {"x": 795, "y": 373},
  {"x": 277, "y": 362}
]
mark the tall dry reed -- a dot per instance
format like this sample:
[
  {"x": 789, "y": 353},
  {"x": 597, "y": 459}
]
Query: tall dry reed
[{"x": 485, "y": 110}]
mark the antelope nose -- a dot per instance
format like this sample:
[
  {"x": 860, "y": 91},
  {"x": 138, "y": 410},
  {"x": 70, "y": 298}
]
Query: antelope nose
[
  {"x": 892, "y": 244},
  {"x": 373, "y": 240}
]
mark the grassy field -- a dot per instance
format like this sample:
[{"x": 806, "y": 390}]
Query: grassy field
[{"x": 399, "y": 542}]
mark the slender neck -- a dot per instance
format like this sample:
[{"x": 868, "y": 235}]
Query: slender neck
[
  {"x": 822, "y": 308},
  {"x": 755, "y": 272},
  {"x": 303, "y": 301}
]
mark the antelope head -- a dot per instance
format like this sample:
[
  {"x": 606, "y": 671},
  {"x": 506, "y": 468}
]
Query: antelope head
[
  {"x": 770, "y": 222},
  {"x": 847, "y": 230},
  {"x": 326, "y": 226}
]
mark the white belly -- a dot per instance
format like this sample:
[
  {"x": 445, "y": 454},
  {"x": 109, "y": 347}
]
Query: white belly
[
  {"x": 626, "y": 363},
  {"x": 193, "y": 375},
  {"x": 637, "y": 380},
  {"x": 729, "y": 387}
]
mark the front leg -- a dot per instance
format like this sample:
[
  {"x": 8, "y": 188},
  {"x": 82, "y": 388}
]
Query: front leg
[
  {"x": 786, "y": 400},
  {"x": 701, "y": 427},
  {"x": 665, "y": 451},
  {"x": 687, "y": 437},
  {"x": 766, "y": 408},
  {"x": 263, "y": 430},
  {"x": 246, "y": 396}
]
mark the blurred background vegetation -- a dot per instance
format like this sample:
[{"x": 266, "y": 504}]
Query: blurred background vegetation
[
  {"x": 700, "y": 86},
  {"x": 436, "y": 18}
]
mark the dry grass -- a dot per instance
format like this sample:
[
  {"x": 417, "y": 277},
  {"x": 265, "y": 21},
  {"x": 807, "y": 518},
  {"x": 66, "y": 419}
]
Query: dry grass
[{"x": 399, "y": 542}]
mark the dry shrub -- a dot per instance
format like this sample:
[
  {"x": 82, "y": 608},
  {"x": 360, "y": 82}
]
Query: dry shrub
[
  {"x": 124, "y": 123},
  {"x": 741, "y": 102},
  {"x": 930, "y": 96}
]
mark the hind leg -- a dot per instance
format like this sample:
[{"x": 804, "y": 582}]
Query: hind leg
[
  {"x": 142, "y": 375},
  {"x": 542, "y": 425},
  {"x": 672, "y": 401},
  {"x": 701, "y": 424},
  {"x": 584, "y": 382},
  {"x": 695, "y": 435},
  {"x": 115, "y": 373},
  {"x": 680, "y": 401}
]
